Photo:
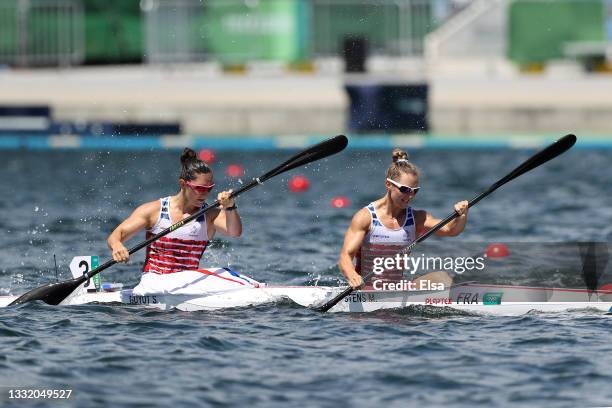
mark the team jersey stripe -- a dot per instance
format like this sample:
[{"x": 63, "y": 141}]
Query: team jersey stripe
[
  {"x": 175, "y": 264},
  {"x": 177, "y": 252},
  {"x": 181, "y": 241},
  {"x": 158, "y": 270},
  {"x": 150, "y": 267},
  {"x": 178, "y": 246},
  {"x": 173, "y": 258}
]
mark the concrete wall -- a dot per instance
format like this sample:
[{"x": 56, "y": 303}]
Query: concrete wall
[
  {"x": 307, "y": 104},
  {"x": 522, "y": 104},
  {"x": 203, "y": 103}
]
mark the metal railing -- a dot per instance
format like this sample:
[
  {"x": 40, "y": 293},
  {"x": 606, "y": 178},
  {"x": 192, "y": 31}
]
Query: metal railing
[
  {"x": 478, "y": 31},
  {"x": 221, "y": 30},
  {"x": 176, "y": 29},
  {"x": 392, "y": 27},
  {"x": 41, "y": 32},
  {"x": 173, "y": 31},
  {"x": 52, "y": 32}
]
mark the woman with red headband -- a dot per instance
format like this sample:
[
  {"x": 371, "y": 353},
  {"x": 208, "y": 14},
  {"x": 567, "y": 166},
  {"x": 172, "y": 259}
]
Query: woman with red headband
[
  {"x": 389, "y": 223},
  {"x": 172, "y": 261}
]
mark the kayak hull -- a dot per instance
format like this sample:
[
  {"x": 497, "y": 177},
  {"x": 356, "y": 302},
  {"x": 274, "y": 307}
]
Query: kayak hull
[{"x": 469, "y": 297}]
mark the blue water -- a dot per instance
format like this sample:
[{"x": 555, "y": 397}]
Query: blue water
[{"x": 66, "y": 203}]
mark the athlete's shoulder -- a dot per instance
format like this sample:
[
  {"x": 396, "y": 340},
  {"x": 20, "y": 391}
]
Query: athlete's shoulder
[
  {"x": 149, "y": 208},
  {"x": 362, "y": 219}
]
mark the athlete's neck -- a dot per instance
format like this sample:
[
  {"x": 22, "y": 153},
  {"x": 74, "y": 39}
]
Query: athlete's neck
[
  {"x": 180, "y": 202},
  {"x": 391, "y": 210}
]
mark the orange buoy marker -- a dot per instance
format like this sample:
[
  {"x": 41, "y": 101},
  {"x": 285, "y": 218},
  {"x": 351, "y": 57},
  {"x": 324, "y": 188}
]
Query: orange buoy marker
[
  {"x": 340, "y": 202},
  {"x": 497, "y": 250},
  {"x": 299, "y": 184},
  {"x": 234, "y": 170},
  {"x": 207, "y": 155}
]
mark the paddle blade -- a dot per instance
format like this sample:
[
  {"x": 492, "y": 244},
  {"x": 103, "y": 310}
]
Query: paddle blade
[
  {"x": 314, "y": 153},
  {"x": 52, "y": 293},
  {"x": 334, "y": 301}
]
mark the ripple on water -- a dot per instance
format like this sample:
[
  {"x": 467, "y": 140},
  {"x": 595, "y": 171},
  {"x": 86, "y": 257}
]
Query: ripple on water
[
  {"x": 214, "y": 344},
  {"x": 281, "y": 354},
  {"x": 28, "y": 345},
  {"x": 12, "y": 331}
]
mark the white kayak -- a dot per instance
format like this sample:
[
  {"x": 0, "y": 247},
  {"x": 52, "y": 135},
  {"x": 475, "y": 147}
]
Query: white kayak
[{"x": 469, "y": 297}]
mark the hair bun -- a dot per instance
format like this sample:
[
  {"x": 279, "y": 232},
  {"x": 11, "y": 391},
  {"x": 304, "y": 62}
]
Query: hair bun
[
  {"x": 188, "y": 155},
  {"x": 398, "y": 154}
]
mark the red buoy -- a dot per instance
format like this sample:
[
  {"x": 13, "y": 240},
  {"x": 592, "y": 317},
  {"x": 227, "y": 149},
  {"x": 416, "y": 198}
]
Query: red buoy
[
  {"x": 340, "y": 202},
  {"x": 207, "y": 155},
  {"x": 234, "y": 170},
  {"x": 299, "y": 184},
  {"x": 606, "y": 288},
  {"x": 497, "y": 250}
]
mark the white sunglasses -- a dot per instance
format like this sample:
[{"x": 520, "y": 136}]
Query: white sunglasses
[{"x": 404, "y": 189}]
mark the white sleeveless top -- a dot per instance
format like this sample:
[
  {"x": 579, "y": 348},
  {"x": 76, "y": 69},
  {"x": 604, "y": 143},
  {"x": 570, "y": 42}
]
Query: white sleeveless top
[
  {"x": 181, "y": 249},
  {"x": 379, "y": 234},
  {"x": 381, "y": 241}
]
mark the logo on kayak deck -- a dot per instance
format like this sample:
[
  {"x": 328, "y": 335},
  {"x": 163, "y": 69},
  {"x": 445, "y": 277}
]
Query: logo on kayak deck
[
  {"x": 142, "y": 300},
  {"x": 492, "y": 298}
]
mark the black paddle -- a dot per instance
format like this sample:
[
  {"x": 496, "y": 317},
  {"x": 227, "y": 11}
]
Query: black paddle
[
  {"x": 55, "y": 293},
  {"x": 552, "y": 151}
]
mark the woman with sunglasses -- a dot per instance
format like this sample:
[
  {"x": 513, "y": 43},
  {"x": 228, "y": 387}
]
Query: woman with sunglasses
[
  {"x": 172, "y": 261},
  {"x": 391, "y": 222}
]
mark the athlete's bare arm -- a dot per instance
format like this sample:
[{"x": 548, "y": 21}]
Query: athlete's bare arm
[
  {"x": 143, "y": 217},
  {"x": 352, "y": 242},
  {"x": 425, "y": 221},
  {"x": 227, "y": 222}
]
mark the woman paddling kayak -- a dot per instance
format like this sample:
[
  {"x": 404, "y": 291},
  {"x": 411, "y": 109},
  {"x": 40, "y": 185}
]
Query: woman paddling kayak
[
  {"x": 172, "y": 262},
  {"x": 390, "y": 223}
]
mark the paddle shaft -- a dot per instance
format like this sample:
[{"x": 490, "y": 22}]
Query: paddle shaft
[{"x": 549, "y": 153}]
